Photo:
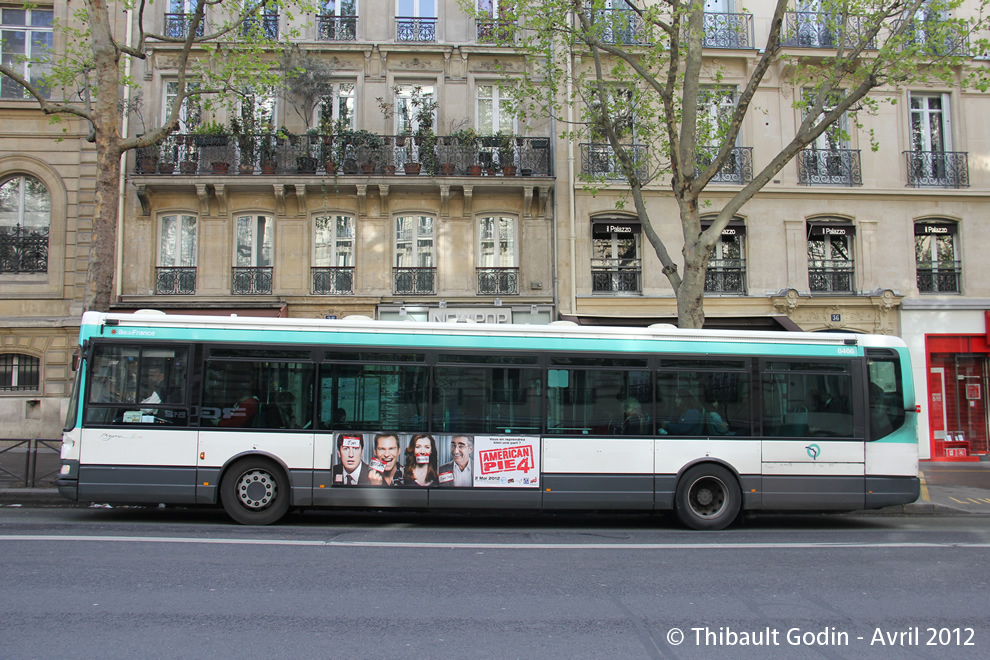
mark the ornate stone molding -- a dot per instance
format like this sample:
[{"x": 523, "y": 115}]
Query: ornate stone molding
[
  {"x": 279, "y": 198},
  {"x": 204, "y": 198},
  {"x": 362, "y": 198},
  {"x": 468, "y": 199},
  {"x": 144, "y": 198},
  {"x": 444, "y": 200},
  {"x": 302, "y": 207},
  {"x": 220, "y": 192},
  {"x": 383, "y": 195}
]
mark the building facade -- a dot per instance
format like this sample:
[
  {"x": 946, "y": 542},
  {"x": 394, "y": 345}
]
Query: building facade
[{"x": 277, "y": 205}]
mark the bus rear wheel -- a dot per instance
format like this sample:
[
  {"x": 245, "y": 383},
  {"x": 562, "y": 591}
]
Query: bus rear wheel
[
  {"x": 708, "y": 497},
  {"x": 255, "y": 491}
]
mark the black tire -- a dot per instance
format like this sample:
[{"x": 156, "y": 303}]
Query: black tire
[
  {"x": 707, "y": 497},
  {"x": 255, "y": 491}
]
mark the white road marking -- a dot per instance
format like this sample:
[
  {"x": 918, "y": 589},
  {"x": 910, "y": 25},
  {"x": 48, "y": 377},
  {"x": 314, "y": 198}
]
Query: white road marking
[{"x": 483, "y": 546}]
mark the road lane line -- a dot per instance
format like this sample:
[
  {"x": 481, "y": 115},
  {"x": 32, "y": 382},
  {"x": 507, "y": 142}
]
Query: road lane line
[
  {"x": 487, "y": 546},
  {"x": 924, "y": 488}
]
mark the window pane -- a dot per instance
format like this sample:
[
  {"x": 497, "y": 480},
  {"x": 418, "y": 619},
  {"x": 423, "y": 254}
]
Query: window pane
[
  {"x": 799, "y": 404},
  {"x": 486, "y": 400},
  {"x": 170, "y": 228},
  {"x": 704, "y": 403},
  {"x": 584, "y": 401},
  {"x": 273, "y": 395},
  {"x": 373, "y": 397},
  {"x": 188, "y": 241}
]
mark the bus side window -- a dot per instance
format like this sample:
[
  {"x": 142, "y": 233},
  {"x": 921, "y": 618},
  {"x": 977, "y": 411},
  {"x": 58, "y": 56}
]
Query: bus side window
[{"x": 886, "y": 396}]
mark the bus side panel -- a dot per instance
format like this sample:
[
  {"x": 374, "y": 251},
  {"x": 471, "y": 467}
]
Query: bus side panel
[
  {"x": 598, "y": 473},
  {"x": 812, "y": 474},
  {"x": 889, "y": 457},
  {"x": 674, "y": 454},
  {"x": 137, "y": 484}
]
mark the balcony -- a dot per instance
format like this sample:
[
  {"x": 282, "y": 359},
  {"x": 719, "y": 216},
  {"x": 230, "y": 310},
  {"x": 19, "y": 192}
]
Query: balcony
[
  {"x": 251, "y": 281},
  {"x": 830, "y": 276},
  {"x": 421, "y": 281},
  {"x": 939, "y": 39},
  {"x": 939, "y": 276},
  {"x": 829, "y": 167},
  {"x": 938, "y": 169},
  {"x": 175, "y": 281},
  {"x": 498, "y": 281},
  {"x": 266, "y": 25},
  {"x": 616, "y": 276},
  {"x": 333, "y": 280},
  {"x": 177, "y": 25},
  {"x": 344, "y": 155},
  {"x": 806, "y": 29},
  {"x": 599, "y": 160},
  {"x": 723, "y": 30},
  {"x": 495, "y": 31},
  {"x": 415, "y": 30},
  {"x": 330, "y": 27},
  {"x": 738, "y": 167},
  {"x": 618, "y": 26},
  {"x": 23, "y": 250},
  {"x": 726, "y": 276}
]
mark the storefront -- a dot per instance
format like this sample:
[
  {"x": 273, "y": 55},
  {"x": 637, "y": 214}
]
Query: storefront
[{"x": 951, "y": 355}]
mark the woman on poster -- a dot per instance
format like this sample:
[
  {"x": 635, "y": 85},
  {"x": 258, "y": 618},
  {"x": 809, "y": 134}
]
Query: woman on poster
[{"x": 421, "y": 461}]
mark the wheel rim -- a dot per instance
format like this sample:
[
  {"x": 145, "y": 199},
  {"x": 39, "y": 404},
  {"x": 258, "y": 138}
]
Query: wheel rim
[
  {"x": 708, "y": 497},
  {"x": 256, "y": 489}
]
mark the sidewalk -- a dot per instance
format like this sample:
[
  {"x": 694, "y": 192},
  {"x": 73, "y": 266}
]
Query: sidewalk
[{"x": 946, "y": 489}]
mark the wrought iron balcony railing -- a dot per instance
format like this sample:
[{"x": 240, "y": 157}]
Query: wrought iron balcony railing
[
  {"x": 618, "y": 26},
  {"x": 251, "y": 280},
  {"x": 600, "y": 160},
  {"x": 420, "y": 281},
  {"x": 267, "y": 24},
  {"x": 939, "y": 38},
  {"x": 333, "y": 280},
  {"x": 23, "y": 250},
  {"x": 346, "y": 154},
  {"x": 809, "y": 29},
  {"x": 726, "y": 276},
  {"x": 738, "y": 167},
  {"x": 829, "y": 167},
  {"x": 938, "y": 169},
  {"x": 175, "y": 281},
  {"x": 330, "y": 27},
  {"x": 724, "y": 30},
  {"x": 177, "y": 25},
  {"x": 616, "y": 275},
  {"x": 408, "y": 28},
  {"x": 495, "y": 31},
  {"x": 939, "y": 276},
  {"x": 498, "y": 281},
  {"x": 830, "y": 276}
]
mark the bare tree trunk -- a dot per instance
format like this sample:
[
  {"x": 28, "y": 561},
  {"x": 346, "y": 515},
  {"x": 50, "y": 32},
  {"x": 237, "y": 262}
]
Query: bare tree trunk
[{"x": 106, "y": 128}]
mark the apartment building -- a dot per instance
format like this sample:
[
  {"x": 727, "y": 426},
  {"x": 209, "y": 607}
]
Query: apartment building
[{"x": 276, "y": 206}]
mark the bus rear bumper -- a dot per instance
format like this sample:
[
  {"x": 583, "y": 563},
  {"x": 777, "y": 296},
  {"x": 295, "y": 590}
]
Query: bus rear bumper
[
  {"x": 67, "y": 482},
  {"x": 890, "y": 491}
]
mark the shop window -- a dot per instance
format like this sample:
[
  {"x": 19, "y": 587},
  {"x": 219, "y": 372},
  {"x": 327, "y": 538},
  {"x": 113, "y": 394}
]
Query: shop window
[
  {"x": 830, "y": 257},
  {"x": 25, "y": 218},
  {"x": 937, "y": 257}
]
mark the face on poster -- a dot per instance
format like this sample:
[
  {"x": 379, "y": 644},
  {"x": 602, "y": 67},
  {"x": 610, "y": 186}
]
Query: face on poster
[{"x": 429, "y": 460}]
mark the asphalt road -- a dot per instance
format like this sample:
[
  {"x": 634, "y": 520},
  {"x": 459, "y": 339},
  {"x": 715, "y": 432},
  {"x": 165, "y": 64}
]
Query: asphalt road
[{"x": 124, "y": 583}]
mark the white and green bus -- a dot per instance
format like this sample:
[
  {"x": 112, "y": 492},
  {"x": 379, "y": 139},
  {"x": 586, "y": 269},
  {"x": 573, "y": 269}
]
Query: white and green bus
[{"x": 264, "y": 415}]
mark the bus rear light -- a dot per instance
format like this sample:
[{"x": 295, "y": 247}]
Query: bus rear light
[
  {"x": 917, "y": 408},
  {"x": 65, "y": 469},
  {"x": 202, "y": 455}
]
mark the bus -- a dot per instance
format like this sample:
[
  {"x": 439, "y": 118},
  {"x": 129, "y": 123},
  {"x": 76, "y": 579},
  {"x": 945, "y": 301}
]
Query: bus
[{"x": 263, "y": 415}]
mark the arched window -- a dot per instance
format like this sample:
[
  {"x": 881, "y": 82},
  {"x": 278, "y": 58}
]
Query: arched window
[
  {"x": 19, "y": 372},
  {"x": 727, "y": 263},
  {"x": 616, "y": 262},
  {"x": 937, "y": 256},
  {"x": 333, "y": 254},
  {"x": 414, "y": 272},
  {"x": 498, "y": 258},
  {"x": 830, "y": 256},
  {"x": 25, "y": 217}
]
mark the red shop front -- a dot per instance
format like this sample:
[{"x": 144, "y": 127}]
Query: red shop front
[{"x": 958, "y": 367}]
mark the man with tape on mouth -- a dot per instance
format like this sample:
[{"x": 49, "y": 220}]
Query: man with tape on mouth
[
  {"x": 385, "y": 469},
  {"x": 460, "y": 471},
  {"x": 350, "y": 469}
]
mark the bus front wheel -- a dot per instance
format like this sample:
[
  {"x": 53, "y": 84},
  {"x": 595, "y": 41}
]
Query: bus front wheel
[
  {"x": 255, "y": 491},
  {"x": 708, "y": 497}
]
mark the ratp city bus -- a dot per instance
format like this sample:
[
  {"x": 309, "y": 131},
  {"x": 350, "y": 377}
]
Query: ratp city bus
[{"x": 263, "y": 415}]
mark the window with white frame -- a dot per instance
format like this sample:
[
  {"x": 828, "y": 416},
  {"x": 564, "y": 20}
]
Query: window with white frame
[
  {"x": 495, "y": 18},
  {"x": 338, "y": 20},
  {"x": 255, "y": 237},
  {"x": 932, "y": 161},
  {"x": 19, "y": 372},
  {"x": 498, "y": 259},
  {"x": 259, "y": 110},
  {"x": 416, "y": 20},
  {"x": 416, "y": 8},
  {"x": 415, "y": 246},
  {"x": 338, "y": 109},
  {"x": 26, "y": 38},
  {"x": 190, "y": 113},
  {"x": 937, "y": 256},
  {"x": 830, "y": 256},
  {"x": 409, "y": 102},
  {"x": 495, "y": 110},
  {"x": 616, "y": 262},
  {"x": 726, "y": 272},
  {"x": 25, "y": 219},
  {"x": 178, "y": 246},
  {"x": 333, "y": 254}
]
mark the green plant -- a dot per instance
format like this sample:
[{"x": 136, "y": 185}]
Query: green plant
[
  {"x": 466, "y": 137},
  {"x": 506, "y": 148},
  {"x": 211, "y": 128}
]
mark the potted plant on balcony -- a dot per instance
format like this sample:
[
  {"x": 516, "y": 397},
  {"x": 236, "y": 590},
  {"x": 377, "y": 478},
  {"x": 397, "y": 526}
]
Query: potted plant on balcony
[
  {"x": 268, "y": 143},
  {"x": 507, "y": 153},
  {"x": 211, "y": 139},
  {"x": 247, "y": 146},
  {"x": 368, "y": 150}
]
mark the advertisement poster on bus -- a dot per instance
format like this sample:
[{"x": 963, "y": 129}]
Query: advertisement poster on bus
[
  {"x": 424, "y": 460},
  {"x": 507, "y": 462}
]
